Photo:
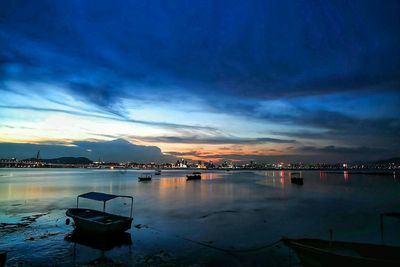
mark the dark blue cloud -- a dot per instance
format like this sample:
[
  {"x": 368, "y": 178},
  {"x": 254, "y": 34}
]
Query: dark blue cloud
[
  {"x": 337, "y": 126},
  {"x": 252, "y": 49},
  {"x": 111, "y": 151},
  {"x": 175, "y": 126},
  {"x": 214, "y": 140}
]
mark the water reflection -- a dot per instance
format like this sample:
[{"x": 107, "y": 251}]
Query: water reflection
[
  {"x": 323, "y": 175},
  {"x": 103, "y": 243},
  {"x": 179, "y": 187},
  {"x": 172, "y": 182},
  {"x": 283, "y": 179},
  {"x": 276, "y": 178},
  {"x": 98, "y": 243},
  {"x": 226, "y": 208},
  {"x": 346, "y": 176}
]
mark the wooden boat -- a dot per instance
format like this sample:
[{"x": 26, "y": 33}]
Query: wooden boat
[
  {"x": 194, "y": 176},
  {"x": 145, "y": 177},
  {"x": 316, "y": 252},
  {"x": 296, "y": 178},
  {"x": 99, "y": 222},
  {"x": 158, "y": 172}
]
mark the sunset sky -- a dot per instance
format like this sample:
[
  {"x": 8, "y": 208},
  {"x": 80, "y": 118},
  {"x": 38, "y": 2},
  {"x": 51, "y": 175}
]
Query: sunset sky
[{"x": 235, "y": 80}]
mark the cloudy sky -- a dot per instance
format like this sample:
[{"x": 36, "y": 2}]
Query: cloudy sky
[{"x": 236, "y": 80}]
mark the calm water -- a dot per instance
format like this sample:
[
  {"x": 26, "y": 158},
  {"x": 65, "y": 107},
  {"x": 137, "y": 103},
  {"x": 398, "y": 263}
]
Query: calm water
[{"x": 184, "y": 222}]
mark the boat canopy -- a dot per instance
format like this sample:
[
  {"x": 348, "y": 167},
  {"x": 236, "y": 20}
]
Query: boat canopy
[
  {"x": 98, "y": 196},
  {"x": 102, "y": 197}
]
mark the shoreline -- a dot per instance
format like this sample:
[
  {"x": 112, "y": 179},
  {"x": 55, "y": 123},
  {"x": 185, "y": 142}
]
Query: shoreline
[{"x": 333, "y": 171}]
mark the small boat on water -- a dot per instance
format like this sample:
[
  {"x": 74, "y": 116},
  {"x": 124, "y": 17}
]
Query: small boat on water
[
  {"x": 145, "y": 177},
  {"x": 317, "y": 252},
  {"x": 99, "y": 222},
  {"x": 158, "y": 172},
  {"x": 296, "y": 178},
  {"x": 194, "y": 176}
]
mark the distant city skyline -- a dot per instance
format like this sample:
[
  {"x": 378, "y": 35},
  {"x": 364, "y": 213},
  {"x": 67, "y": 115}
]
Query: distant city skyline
[{"x": 156, "y": 81}]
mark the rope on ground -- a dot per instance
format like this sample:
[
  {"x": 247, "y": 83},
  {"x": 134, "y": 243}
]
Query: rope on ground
[
  {"x": 223, "y": 249},
  {"x": 232, "y": 250}
]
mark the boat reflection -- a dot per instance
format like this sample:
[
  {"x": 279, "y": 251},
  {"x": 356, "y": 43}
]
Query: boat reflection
[
  {"x": 99, "y": 243},
  {"x": 103, "y": 243}
]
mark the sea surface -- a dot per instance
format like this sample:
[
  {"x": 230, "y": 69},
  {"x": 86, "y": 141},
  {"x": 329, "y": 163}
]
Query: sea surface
[{"x": 229, "y": 218}]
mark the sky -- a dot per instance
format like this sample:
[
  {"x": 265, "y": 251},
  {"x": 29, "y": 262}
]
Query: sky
[{"x": 201, "y": 80}]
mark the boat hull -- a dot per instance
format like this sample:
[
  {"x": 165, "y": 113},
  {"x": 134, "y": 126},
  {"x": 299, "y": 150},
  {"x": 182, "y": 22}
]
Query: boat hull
[
  {"x": 92, "y": 221},
  {"x": 315, "y": 253}
]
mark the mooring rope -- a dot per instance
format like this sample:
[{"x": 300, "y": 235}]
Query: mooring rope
[
  {"x": 269, "y": 245},
  {"x": 232, "y": 250}
]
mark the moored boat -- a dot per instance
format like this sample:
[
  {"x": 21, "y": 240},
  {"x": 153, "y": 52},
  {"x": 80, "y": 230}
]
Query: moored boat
[
  {"x": 316, "y": 252},
  {"x": 99, "y": 222},
  {"x": 194, "y": 176},
  {"x": 158, "y": 172},
  {"x": 145, "y": 177}
]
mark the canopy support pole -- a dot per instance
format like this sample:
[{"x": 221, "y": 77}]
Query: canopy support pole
[
  {"x": 103, "y": 197},
  {"x": 131, "y": 207}
]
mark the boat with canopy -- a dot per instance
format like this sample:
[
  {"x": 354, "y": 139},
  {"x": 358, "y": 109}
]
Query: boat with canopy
[
  {"x": 194, "y": 176},
  {"x": 145, "y": 177},
  {"x": 99, "y": 222}
]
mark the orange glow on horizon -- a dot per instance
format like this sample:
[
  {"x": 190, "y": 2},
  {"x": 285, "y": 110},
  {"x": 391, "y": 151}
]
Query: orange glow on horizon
[{"x": 194, "y": 152}]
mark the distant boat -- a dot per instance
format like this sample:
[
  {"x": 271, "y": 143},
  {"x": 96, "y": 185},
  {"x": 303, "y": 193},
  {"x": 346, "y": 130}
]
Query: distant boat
[
  {"x": 316, "y": 252},
  {"x": 296, "y": 178},
  {"x": 145, "y": 177},
  {"x": 99, "y": 222},
  {"x": 194, "y": 176},
  {"x": 158, "y": 172}
]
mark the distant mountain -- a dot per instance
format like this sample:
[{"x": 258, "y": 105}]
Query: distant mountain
[
  {"x": 65, "y": 160},
  {"x": 118, "y": 150}
]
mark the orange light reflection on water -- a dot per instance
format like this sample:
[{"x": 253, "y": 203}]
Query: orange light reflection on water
[{"x": 179, "y": 188}]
